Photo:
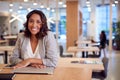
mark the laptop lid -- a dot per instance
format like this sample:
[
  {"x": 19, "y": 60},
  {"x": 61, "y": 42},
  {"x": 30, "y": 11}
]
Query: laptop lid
[{"x": 47, "y": 70}]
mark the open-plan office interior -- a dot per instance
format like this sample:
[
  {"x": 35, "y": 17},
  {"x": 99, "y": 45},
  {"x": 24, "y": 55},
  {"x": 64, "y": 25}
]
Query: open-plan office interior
[{"x": 70, "y": 21}]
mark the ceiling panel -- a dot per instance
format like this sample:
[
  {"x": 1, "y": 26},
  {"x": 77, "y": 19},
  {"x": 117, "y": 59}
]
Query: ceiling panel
[{"x": 4, "y": 4}]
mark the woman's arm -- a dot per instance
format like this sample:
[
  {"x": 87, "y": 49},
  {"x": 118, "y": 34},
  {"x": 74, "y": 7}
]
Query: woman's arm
[
  {"x": 15, "y": 57},
  {"x": 31, "y": 61},
  {"x": 51, "y": 50}
]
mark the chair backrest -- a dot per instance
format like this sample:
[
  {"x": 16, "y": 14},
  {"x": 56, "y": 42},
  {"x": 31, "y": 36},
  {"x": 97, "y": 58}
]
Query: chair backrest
[
  {"x": 102, "y": 74},
  {"x": 105, "y": 61},
  {"x": 61, "y": 50}
]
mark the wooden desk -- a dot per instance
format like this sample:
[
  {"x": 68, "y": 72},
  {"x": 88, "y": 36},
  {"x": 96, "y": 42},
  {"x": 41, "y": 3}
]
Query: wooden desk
[
  {"x": 60, "y": 73},
  {"x": 10, "y": 37},
  {"x": 3, "y": 41},
  {"x": 83, "y": 42},
  {"x": 94, "y": 44},
  {"x": 6, "y": 49},
  {"x": 75, "y": 49},
  {"x": 66, "y": 62}
]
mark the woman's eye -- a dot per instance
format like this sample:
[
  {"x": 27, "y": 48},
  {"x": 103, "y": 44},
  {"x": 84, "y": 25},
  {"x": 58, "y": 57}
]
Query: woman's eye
[
  {"x": 31, "y": 21},
  {"x": 39, "y": 22}
]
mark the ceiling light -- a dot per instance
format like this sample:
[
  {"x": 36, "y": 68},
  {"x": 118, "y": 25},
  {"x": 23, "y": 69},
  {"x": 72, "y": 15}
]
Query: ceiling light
[
  {"x": 25, "y": 0},
  {"x": 53, "y": 10},
  {"x": 19, "y": 11},
  {"x": 15, "y": 17},
  {"x": 10, "y": 10},
  {"x": 41, "y": 6},
  {"x": 11, "y": 4},
  {"x": 34, "y": 3},
  {"x": 48, "y": 8},
  {"x": 29, "y": 9},
  {"x": 60, "y": 3},
  {"x": 113, "y": 5},
  {"x": 116, "y": 2},
  {"x": 87, "y": 2},
  {"x": 20, "y": 7}
]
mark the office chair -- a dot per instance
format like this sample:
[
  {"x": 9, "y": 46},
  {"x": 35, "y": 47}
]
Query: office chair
[
  {"x": 94, "y": 55},
  {"x": 2, "y": 55},
  {"x": 102, "y": 74},
  {"x": 61, "y": 52}
]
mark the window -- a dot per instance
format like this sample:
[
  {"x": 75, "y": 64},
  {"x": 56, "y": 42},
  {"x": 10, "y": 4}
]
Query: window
[
  {"x": 86, "y": 18},
  {"x": 103, "y": 18}
]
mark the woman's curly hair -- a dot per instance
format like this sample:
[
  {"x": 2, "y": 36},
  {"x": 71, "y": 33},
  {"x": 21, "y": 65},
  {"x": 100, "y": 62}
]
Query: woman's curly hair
[{"x": 43, "y": 29}]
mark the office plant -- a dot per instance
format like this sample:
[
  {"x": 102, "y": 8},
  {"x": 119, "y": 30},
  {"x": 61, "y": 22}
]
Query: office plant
[{"x": 117, "y": 35}]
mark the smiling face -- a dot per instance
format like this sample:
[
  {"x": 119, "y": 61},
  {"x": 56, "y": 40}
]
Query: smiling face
[{"x": 34, "y": 24}]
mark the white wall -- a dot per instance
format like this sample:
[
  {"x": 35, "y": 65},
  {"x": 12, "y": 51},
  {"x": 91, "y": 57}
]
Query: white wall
[
  {"x": 92, "y": 23},
  {"x": 4, "y": 22}
]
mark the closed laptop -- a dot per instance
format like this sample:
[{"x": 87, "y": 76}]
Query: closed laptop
[{"x": 32, "y": 70}]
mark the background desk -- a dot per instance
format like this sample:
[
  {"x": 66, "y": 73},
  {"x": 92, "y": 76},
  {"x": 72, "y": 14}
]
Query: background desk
[
  {"x": 6, "y": 49},
  {"x": 66, "y": 62},
  {"x": 75, "y": 49},
  {"x": 12, "y": 39},
  {"x": 3, "y": 41},
  {"x": 83, "y": 42}
]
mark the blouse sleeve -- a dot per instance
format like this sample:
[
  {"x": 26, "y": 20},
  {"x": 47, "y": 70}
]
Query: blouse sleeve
[
  {"x": 51, "y": 50},
  {"x": 15, "y": 57}
]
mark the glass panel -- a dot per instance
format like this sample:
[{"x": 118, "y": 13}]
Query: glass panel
[
  {"x": 86, "y": 18},
  {"x": 103, "y": 18}
]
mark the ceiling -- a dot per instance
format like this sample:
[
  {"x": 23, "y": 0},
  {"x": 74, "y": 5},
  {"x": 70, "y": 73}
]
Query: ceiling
[{"x": 4, "y": 4}]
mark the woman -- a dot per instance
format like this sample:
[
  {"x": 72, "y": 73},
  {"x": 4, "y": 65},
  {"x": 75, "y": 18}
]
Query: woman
[
  {"x": 37, "y": 46},
  {"x": 103, "y": 41}
]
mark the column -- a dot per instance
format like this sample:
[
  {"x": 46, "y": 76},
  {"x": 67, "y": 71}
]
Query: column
[
  {"x": 72, "y": 22},
  {"x": 110, "y": 33}
]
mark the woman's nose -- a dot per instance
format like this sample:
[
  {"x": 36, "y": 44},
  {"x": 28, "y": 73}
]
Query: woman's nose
[{"x": 34, "y": 24}]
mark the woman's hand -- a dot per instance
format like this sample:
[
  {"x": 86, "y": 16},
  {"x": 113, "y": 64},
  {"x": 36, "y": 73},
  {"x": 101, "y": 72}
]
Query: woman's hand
[
  {"x": 32, "y": 62},
  {"x": 23, "y": 63},
  {"x": 38, "y": 65}
]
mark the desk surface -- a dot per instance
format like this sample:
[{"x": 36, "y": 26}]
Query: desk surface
[
  {"x": 83, "y": 42},
  {"x": 94, "y": 44},
  {"x": 3, "y": 41},
  {"x": 60, "y": 73},
  {"x": 77, "y": 49},
  {"x": 7, "y": 48},
  {"x": 11, "y": 37},
  {"x": 66, "y": 62}
]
